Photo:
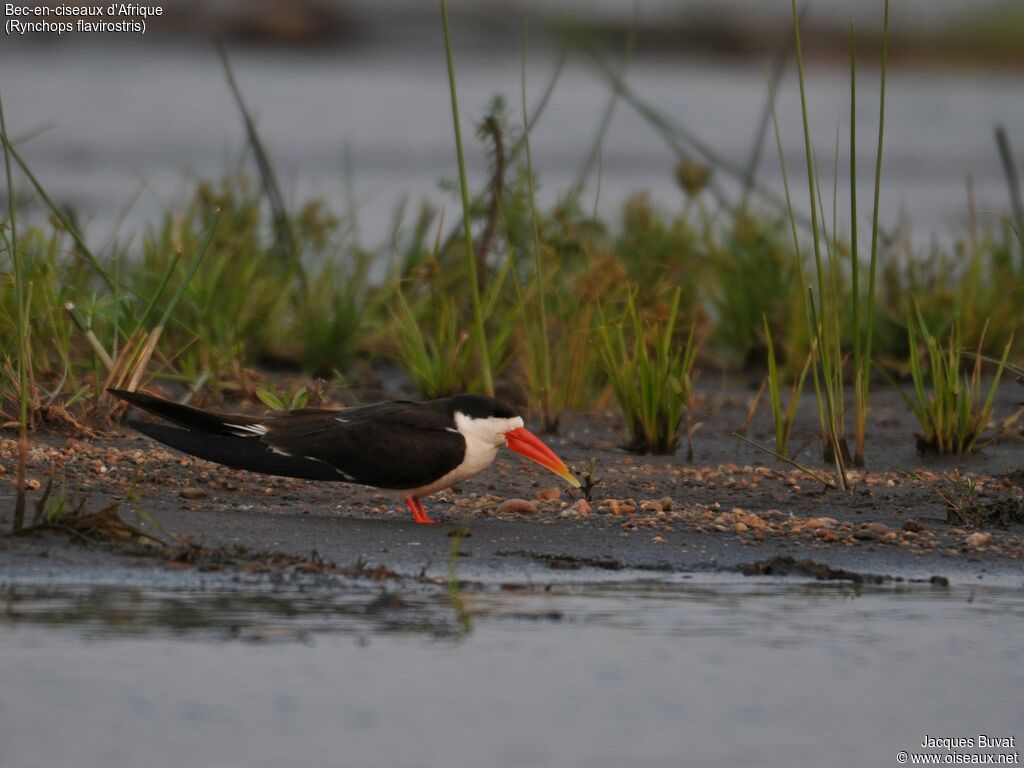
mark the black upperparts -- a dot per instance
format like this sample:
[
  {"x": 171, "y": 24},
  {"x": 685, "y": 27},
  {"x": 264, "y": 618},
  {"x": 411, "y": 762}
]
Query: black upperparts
[
  {"x": 397, "y": 445},
  {"x": 480, "y": 407},
  {"x": 239, "y": 452}
]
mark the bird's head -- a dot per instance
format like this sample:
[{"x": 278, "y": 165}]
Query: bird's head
[{"x": 491, "y": 421}]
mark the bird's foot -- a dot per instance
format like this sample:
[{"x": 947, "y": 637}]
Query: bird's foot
[{"x": 419, "y": 515}]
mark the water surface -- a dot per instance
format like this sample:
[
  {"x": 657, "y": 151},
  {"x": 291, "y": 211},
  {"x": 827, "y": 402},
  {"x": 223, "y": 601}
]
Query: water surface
[
  {"x": 726, "y": 674},
  {"x": 118, "y": 132}
]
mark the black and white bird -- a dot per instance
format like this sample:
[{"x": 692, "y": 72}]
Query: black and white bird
[{"x": 403, "y": 447}]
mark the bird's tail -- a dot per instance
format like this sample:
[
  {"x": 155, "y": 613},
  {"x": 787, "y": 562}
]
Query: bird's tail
[
  {"x": 237, "y": 452},
  {"x": 186, "y": 416},
  {"x": 222, "y": 438}
]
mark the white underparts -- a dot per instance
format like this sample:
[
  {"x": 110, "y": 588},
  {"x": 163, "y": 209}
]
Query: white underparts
[{"x": 483, "y": 439}]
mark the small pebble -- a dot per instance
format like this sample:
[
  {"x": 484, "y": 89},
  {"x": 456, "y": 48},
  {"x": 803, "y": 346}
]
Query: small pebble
[
  {"x": 978, "y": 540},
  {"x": 753, "y": 521},
  {"x": 621, "y": 507},
  {"x": 581, "y": 507},
  {"x": 517, "y": 507}
]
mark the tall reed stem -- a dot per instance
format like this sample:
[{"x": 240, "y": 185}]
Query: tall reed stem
[
  {"x": 538, "y": 264},
  {"x": 863, "y": 361},
  {"x": 480, "y": 338},
  {"x": 823, "y": 330},
  {"x": 21, "y": 299}
]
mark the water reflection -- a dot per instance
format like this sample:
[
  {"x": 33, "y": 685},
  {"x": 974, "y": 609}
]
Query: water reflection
[
  {"x": 225, "y": 615},
  {"x": 781, "y": 613}
]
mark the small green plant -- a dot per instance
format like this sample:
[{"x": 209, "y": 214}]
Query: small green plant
[
  {"x": 50, "y": 508},
  {"x": 958, "y": 494},
  {"x": 575, "y": 370},
  {"x": 976, "y": 278},
  {"x": 562, "y": 270},
  {"x": 290, "y": 401},
  {"x": 331, "y": 309},
  {"x": 560, "y": 368},
  {"x": 965, "y": 506},
  {"x": 105, "y": 525},
  {"x": 783, "y": 417},
  {"x": 660, "y": 250},
  {"x": 436, "y": 358},
  {"x": 754, "y": 277},
  {"x": 951, "y": 406},
  {"x": 430, "y": 334},
  {"x": 650, "y": 372},
  {"x": 589, "y": 480},
  {"x": 238, "y": 301}
]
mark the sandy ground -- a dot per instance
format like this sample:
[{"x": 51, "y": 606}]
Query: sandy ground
[{"x": 732, "y": 510}]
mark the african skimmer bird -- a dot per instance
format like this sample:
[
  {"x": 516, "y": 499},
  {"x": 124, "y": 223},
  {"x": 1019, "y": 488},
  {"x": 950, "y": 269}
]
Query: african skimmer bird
[{"x": 409, "y": 449}]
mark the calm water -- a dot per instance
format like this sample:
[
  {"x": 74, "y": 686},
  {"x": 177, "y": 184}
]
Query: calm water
[
  {"x": 117, "y": 131},
  {"x": 640, "y": 675}
]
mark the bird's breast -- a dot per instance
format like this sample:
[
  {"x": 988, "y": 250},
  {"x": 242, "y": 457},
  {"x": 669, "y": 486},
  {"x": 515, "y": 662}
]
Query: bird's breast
[{"x": 478, "y": 456}]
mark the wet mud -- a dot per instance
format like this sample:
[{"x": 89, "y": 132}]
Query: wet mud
[{"x": 731, "y": 509}]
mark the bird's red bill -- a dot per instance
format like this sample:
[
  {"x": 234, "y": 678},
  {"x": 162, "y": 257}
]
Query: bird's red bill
[{"x": 524, "y": 442}]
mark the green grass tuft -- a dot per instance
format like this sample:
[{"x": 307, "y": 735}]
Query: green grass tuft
[
  {"x": 650, "y": 371},
  {"x": 952, "y": 406}
]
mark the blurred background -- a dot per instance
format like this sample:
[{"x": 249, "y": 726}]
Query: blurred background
[{"x": 351, "y": 100}]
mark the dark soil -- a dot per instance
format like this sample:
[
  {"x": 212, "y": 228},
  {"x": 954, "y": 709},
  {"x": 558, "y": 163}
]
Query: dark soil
[{"x": 732, "y": 509}]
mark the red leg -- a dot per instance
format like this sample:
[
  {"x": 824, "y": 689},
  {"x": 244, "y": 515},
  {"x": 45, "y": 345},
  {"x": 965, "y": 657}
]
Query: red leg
[{"x": 419, "y": 515}]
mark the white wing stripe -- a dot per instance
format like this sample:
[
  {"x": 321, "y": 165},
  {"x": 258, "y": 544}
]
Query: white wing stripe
[
  {"x": 248, "y": 429},
  {"x": 341, "y": 472}
]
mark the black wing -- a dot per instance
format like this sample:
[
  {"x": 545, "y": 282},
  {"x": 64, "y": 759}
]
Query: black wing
[
  {"x": 394, "y": 445},
  {"x": 237, "y": 452},
  {"x": 391, "y": 445}
]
